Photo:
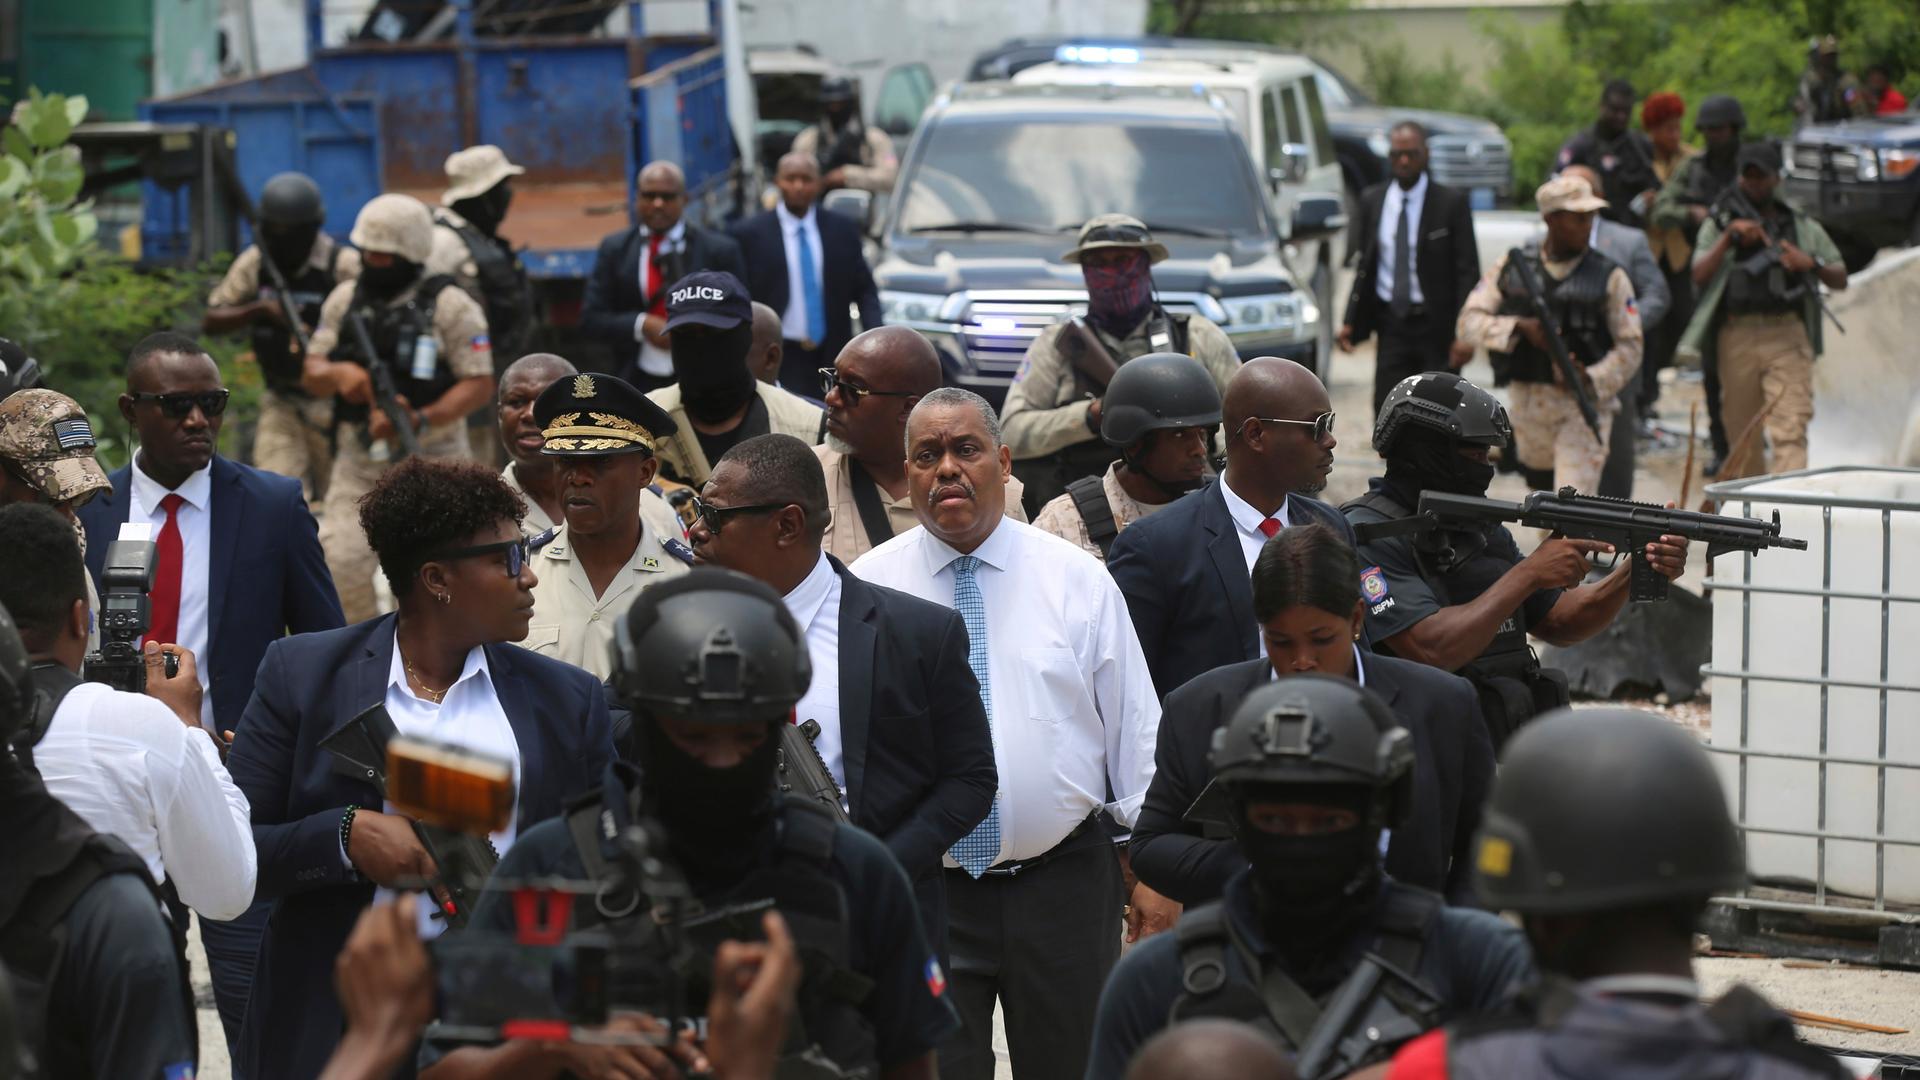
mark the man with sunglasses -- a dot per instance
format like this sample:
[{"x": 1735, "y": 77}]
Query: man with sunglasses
[
  {"x": 1187, "y": 570},
  {"x": 626, "y": 302},
  {"x": 600, "y": 433},
  {"x": 869, "y": 391},
  {"x": 1053, "y": 408}
]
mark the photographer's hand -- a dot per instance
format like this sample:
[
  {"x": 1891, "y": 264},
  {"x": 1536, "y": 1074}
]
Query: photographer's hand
[
  {"x": 181, "y": 692},
  {"x": 385, "y": 985}
]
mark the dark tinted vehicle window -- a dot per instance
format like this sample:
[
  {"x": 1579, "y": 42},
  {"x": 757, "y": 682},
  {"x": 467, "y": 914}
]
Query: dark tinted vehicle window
[{"x": 1054, "y": 176}]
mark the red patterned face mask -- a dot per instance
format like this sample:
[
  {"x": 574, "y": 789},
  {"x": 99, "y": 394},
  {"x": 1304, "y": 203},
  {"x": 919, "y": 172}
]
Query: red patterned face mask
[{"x": 1118, "y": 294}]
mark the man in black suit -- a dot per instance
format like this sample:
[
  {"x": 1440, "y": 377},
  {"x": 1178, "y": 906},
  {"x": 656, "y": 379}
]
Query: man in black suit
[
  {"x": 626, "y": 304},
  {"x": 1307, "y": 594},
  {"x": 1418, "y": 262},
  {"x": 806, "y": 264},
  {"x": 1184, "y": 569},
  {"x": 902, "y": 727}
]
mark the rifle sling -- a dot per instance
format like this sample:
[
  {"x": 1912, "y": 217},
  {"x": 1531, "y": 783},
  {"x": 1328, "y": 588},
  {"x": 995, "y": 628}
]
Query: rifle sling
[{"x": 866, "y": 499}]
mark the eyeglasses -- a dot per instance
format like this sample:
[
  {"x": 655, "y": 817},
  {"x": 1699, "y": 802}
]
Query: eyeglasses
[
  {"x": 516, "y": 554},
  {"x": 829, "y": 378},
  {"x": 180, "y": 406},
  {"x": 711, "y": 516},
  {"x": 1322, "y": 425}
]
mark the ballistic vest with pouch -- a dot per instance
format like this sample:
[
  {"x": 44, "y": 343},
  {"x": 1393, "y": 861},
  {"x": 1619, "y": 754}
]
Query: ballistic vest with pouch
[
  {"x": 1579, "y": 304},
  {"x": 273, "y": 344},
  {"x": 396, "y": 331}
]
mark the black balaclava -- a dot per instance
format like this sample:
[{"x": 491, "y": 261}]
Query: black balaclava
[
  {"x": 386, "y": 282},
  {"x": 715, "y": 818},
  {"x": 288, "y": 245},
  {"x": 1427, "y": 460},
  {"x": 1317, "y": 883},
  {"x": 487, "y": 210},
  {"x": 715, "y": 382}
]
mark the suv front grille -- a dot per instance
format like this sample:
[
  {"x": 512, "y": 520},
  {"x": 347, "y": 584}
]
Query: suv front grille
[
  {"x": 1462, "y": 161},
  {"x": 1806, "y": 160}
]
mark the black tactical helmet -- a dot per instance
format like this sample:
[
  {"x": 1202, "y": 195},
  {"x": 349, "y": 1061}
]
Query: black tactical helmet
[
  {"x": 1155, "y": 392},
  {"x": 837, "y": 88},
  {"x": 16, "y": 681},
  {"x": 711, "y": 645},
  {"x": 1311, "y": 729},
  {"x": 1720, "y": 109},
  {"x": 18, "y": 371},
  {"x": 1446, "y": 403},
  {"x": 292, "y": 198},
  {"x": 1605, "y": 809}
]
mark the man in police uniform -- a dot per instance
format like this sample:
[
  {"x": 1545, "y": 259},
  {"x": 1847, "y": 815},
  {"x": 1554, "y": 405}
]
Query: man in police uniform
[
  {"x": 601, "y": 433},
  {"x": 1463, "y": 599},
  {"x": 1608, "y": 832},
  {"x": 46, "y": 456},
  {"x": 1307, "y": 774},
  {"x": 1053, "y": 408},
  {"x": 467, "y": 243},
  {"x": 1160, "y": 412},
  {"x": 433, "y": 338},
  {"x": 295, "y": 432},
  {"x": 1592, "y": 300},
  {"x": 712, "y": 665},
  {"x": 851, "y": 154},
  {"x": 1759, "y": 317}
]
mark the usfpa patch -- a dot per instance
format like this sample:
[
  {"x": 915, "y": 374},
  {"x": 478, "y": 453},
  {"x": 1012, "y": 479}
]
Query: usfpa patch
[
  {"x": 936, "y": 979},
  {"x": 1373, "y": 587}
]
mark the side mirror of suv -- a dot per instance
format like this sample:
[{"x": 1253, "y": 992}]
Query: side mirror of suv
[{"x": 1318, "y": 214}]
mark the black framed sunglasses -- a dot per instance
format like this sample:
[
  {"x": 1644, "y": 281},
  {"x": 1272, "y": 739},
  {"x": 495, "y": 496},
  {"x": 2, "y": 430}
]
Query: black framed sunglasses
[
  {"x": 180, "y": 406},
  {"x": 830, "y": 378},
  {"x": 516, "y": 554},
  {"x": 1322, "y": 425},
  {"x": 713, "y": 516}
]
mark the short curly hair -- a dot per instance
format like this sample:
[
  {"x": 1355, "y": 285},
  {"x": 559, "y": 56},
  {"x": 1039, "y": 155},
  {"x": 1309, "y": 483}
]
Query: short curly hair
[
  {"x": 1660, "y": 108},
  {"x": 423, "y": 505}
]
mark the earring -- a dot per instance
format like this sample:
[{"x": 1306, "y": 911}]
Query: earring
[
  {"x": 1356, "y": 635},
  {"x": 445, "y": 598}
]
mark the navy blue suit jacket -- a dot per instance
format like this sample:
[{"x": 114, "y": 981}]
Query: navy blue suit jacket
[
  {"x": 1187, "y": 587},
  {"x": 266, "y": 575},
  {"x": 309, "y": 687},
  {"x": 915, "y": 744},
  {"x": 846, "y": 279}
]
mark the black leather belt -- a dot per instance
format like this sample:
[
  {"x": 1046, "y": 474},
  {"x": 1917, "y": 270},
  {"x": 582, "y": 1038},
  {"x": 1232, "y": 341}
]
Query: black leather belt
[{"x": 1014, "y": 867}]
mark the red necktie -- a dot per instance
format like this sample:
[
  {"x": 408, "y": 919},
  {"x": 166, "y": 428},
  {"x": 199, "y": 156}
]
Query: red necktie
[
  {"x": 654, "y": 292},
  {"x": 1269, "y": 527},
  {"x": 165, "y": 625}
]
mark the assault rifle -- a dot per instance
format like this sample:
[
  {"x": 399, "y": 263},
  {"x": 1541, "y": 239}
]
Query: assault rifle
[
  {"x": 1085, "y": 352},
  {"x": 803, "y": 773},
  {"x": 1628, "y": 526},
  {"x": 385, "y": 394},
  {"x": 1767, "y": 259},
  {"x": 237, "y": 191},
  {"x": 1570, "y": 373}
]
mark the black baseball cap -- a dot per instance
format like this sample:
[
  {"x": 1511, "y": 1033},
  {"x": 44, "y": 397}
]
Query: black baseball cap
[
  {"x": 1759, "y": 155},
  {"x": 712, "y": 298}
]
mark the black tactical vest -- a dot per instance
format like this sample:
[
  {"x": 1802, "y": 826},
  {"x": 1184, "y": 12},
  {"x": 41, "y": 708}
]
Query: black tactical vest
[
  {"x": 273, "y": 344},
  {"x": 504, "y": 291},
  {"x": 845, "y": 147},
  {"x": 1578, "y": 302},
  {"x": 1757, "y": 284},
  {"x": 395, "y": 329}
]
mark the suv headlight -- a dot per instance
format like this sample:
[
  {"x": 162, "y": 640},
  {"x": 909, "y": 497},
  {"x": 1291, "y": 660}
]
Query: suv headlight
[
  {"x": 1283, "y": 313},
  {"x": 911, "y": 309}
]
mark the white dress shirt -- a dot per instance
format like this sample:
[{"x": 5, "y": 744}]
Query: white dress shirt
[
  {"x": 469, "y": 715},
  {"x": 793, "y": 321},
  {"x": 1246, "y": 521},
  {"x": 815, "y": 605},
  {"x": 128, "y": 766},
  {"x": 1074, "y": 709},
  {"x": 1416, "y": 200},
  {"x": 653, "y": 359},
  {"x": 194, "y": 519}
]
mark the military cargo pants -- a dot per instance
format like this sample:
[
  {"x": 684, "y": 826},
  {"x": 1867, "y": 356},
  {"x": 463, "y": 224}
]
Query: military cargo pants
[
  {"x": 294, "y": 438},
  {"x": 349, "y": 558},
  {"x": 1549, "y": 432},
  {"x": 1764, "y": 357}
]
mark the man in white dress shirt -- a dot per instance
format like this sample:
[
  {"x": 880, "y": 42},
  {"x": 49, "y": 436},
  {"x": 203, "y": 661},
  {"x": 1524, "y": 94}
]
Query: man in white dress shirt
[{"x": 1036, "y": 888}]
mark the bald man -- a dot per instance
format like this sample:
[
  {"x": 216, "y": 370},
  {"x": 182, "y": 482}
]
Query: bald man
[
  {"x": 1186, "y": 570},
  {"x": 626, "y": 302},
  {"x": 536, "y": 476},
  {"x": 876, "y": 381},
  {"x": 764, "y": 355},
  {"x": 1210, "y": 1050},
  {"x": 806, "y": 263}
]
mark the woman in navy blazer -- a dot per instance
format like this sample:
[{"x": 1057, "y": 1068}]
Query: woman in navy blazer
[{"x": 448, "y": 538}]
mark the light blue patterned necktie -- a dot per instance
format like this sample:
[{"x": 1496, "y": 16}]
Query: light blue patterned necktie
[
  {"x": 810, "y": 289},
  {"x": 978, "y": 849}
]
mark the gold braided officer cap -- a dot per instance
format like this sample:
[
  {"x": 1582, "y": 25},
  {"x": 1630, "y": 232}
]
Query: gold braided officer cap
[{"x": 594, "y": 415}]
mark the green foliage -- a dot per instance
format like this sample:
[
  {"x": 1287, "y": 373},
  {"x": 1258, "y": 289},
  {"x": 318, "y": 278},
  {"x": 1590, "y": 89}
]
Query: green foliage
[{"x": 42, "y": 228}]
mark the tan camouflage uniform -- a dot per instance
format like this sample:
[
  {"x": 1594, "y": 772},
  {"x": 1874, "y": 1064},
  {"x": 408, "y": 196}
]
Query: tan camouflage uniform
[
  {"x": 1062, "y": 518},
  {"x": 879, "y": 165},
  {"x": 46, "y": 439}
]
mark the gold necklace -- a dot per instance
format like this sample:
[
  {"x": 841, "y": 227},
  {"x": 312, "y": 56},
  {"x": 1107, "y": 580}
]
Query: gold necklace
[{"x": 437, "y": 695}]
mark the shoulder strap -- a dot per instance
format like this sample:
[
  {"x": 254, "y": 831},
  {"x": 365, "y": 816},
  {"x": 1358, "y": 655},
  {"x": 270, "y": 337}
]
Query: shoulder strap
[
  {"x": 1204, "y": 936},
  {"x": 34, "y": 938},
  {"x": 583, "y": 824},
  {"x": 1096, "y": 512},
  {"x": 1406, "y": 921},
  {"x": 1379, "y": 502},
  {"x": 51, "y": 685},
  {"x": 430, "y": 290},
  {"x": 866, "y": 499},
  {"x": 806, "y": 831}
]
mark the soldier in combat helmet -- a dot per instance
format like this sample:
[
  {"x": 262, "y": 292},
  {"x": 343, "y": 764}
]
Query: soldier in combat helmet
[{"x": 851, "y": 154}]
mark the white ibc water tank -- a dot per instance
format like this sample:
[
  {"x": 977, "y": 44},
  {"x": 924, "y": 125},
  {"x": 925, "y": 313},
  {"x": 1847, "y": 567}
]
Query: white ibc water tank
[{"x": 1805, "y": 646}]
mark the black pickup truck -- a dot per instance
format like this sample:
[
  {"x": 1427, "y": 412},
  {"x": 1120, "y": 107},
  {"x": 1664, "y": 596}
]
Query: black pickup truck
[{"x": 1860, "y": 179}]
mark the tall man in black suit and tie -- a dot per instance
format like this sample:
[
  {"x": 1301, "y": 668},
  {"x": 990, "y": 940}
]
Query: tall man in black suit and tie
[
  {"x": 626, "y": 303},
  {"x": 805, "y": 263},
  {"x": 1418, "y": 262},
  {"x": 1185, "y": 570},
  {"x": 902, "y": 727}
]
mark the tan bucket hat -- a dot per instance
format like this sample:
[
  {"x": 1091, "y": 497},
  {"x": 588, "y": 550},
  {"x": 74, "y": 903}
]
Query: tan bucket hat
[
  {"x": 1116, "y": 231},
  {"x": 475, "y": 170}
]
